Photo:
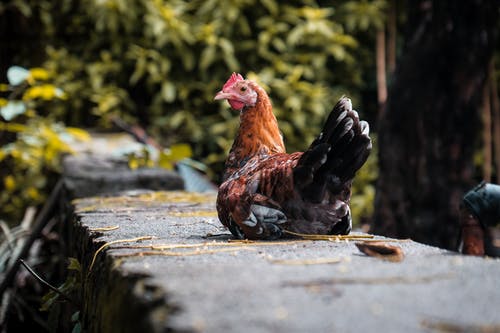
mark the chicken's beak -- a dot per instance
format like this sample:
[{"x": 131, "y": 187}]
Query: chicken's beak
[{"x": 222, "y": 95}]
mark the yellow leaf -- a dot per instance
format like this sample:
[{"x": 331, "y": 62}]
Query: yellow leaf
[
  {"x": 133, "y": 163},
  {"x": 12, "y": 127},
  {"x": 3, "y": 101},
  {"x": 9, "y": 183},
  {"x": 165, "y": 163},
  {"x": 55, "y": 144},
  {"x": 49, "y": 154},
  {"x": 180, "y": 151},
  {"x": 4, "y": 87},
  {"x": 33, "y": 193},
  {"x": 15, "y": 153},
  {"x": 44, "y": 91},
  {"x": 38, "y": 74},
  {"x": 175, "y": 153},
  {"x": 78, "y": 133},
  {"x": 30, "y": 113}
]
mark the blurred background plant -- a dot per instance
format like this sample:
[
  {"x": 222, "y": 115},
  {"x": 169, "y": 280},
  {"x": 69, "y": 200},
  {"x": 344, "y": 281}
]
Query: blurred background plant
[
  {"x": 33, "y": 139},
  {"x": 159, "y": 63}
]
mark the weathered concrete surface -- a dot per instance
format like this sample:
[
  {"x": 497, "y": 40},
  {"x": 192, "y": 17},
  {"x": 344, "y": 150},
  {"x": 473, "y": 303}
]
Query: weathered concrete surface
[
  {"x": 133, "y": 287},
  {"x": 86, "y": 176},
  {"x": 100, "y": 167}
]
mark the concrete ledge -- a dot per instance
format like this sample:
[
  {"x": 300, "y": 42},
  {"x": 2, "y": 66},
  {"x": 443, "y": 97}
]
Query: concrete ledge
[
  {"x": 114, "y": 300},
  {"x": 191, "y": 278},
  {"x": 162, "y": 262},
  {"x": 87, "y": 175}
]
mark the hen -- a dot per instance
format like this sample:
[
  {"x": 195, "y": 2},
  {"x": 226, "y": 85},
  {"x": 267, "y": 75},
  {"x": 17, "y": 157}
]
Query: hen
[{"x": 267, "y": 192}]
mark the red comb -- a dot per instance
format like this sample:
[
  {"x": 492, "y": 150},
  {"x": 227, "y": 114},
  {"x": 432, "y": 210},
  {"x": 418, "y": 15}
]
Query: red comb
[{"x": 235, "y": 77}]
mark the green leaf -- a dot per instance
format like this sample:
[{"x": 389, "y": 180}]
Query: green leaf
[
  {"x": 271, "y": 6},
  {"x": 47, "y": 300},
  {"x": 140, "y": 70},
  {"x": 77, "y": 328},
  {"x": 207, "y": 57},
  {"x": 75, "y": 316},
  {"x": 74, "y": 265},
  {"x": 168, "y": 91},
  {"x": 228, "y": 50}
]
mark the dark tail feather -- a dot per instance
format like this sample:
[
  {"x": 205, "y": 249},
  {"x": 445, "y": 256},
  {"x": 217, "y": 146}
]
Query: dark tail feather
[{"x": 335, "y": 156}]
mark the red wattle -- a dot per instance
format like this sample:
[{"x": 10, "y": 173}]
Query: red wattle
[{"x": 237, "y": 105}]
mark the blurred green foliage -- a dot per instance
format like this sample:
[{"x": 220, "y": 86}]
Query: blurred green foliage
[
  {"x": 161, "y": 62},
  {"x": 33, "y": 140}
]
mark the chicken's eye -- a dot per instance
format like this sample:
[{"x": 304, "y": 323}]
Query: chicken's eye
[{"x": 243, "y": 88}]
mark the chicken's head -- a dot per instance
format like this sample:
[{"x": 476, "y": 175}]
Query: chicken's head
[{"x": 238, "y": 92}]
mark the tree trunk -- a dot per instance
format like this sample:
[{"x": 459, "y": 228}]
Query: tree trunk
[
  {"x": 487, "y": 137},
  {"x": 496, "y": 119},
  {"x": 381, "y": 75},
  {"x": 391, "y": 37},
  {"x": 428, "y": 132}
]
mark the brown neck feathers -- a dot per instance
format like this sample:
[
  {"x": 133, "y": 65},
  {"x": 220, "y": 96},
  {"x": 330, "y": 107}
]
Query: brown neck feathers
[{"x": 258, "y": 133}]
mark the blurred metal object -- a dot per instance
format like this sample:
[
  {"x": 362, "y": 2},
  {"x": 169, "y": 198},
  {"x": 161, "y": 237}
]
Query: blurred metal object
[
  {"x": 480, "y": 220},
  {"x": 472, "y": 234},
  {"x": 194, "y": 180}
]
